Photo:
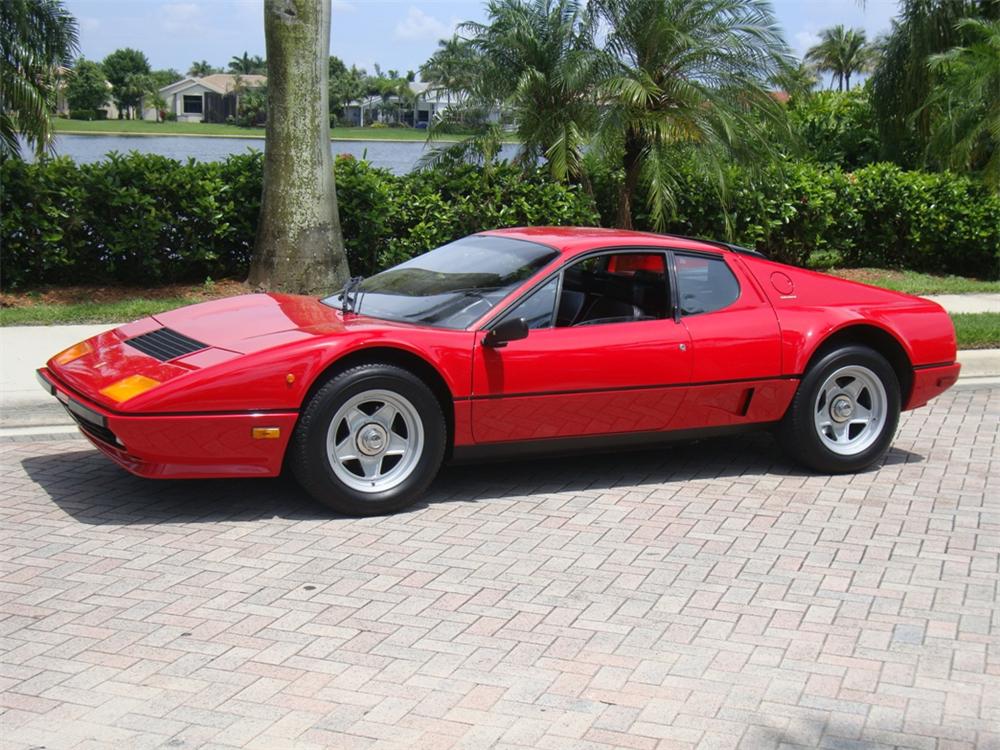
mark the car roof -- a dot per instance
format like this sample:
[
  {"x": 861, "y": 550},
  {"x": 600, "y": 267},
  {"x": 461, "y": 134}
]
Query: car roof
[{"x": 573, "y": 240}]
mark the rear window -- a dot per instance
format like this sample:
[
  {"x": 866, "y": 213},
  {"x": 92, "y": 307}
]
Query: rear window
[{"x": 704, "y": 284}]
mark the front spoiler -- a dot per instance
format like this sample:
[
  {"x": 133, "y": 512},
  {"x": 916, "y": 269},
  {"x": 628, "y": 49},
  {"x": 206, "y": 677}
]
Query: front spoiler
[{"x": 178, "y": 446}]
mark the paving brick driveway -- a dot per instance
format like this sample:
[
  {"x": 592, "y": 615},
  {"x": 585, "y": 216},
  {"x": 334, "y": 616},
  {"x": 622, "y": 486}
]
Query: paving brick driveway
[{"x": 707, "y": 596}]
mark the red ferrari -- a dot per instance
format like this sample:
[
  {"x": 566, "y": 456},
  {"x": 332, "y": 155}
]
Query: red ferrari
[{"x": 519, "y": 340}]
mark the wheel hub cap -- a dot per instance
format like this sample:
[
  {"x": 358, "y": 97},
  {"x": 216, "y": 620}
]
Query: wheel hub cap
[
  {"x": 850, "y": 410},
  {"x": 372, "y": 439},
  {"x": 841, "y": 409},
  {"x": 375, "y": 440}
]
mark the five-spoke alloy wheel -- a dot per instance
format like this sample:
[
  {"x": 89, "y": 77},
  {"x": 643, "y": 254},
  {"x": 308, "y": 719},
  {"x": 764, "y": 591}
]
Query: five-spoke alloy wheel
[
  {"x": 374, "y": 441},
  {"x": 845, "y": 412},
  {"x": 369, "y": 441}
]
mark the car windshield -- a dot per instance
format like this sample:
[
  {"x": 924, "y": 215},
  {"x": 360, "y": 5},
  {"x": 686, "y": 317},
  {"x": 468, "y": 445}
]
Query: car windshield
[{"x": 452, "y": 286}]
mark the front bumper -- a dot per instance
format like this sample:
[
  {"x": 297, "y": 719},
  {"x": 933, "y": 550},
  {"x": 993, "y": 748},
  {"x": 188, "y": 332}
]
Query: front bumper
[
  {"x": 178, "y": 446},
  {"x": 932, "y": 381}
]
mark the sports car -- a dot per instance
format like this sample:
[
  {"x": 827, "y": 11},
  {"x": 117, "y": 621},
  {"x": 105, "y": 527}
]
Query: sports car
[{"x": 516, "y": 341}]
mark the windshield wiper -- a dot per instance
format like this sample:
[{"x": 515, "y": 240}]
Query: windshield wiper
[{"x": 349, "y": 295}]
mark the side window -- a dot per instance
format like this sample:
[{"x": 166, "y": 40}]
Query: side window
[
  {"x": 538, "y": 308},
  {"x": 704, "y": 284},
  {"x": 614, "y": 288}
]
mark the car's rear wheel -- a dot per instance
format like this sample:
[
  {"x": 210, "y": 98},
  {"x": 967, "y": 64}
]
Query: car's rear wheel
[
  {"x": 845, "y": 412},
  {"x": 369, "y": 441}
]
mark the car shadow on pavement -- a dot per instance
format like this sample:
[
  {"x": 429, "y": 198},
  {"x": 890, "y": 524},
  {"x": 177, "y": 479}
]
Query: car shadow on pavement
[{"x": 91, "y": 489}]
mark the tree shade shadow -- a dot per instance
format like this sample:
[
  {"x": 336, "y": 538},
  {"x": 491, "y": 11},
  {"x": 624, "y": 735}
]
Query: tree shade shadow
[{"x": 91, "y": 489}]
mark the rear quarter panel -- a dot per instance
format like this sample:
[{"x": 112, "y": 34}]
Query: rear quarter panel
[{"x": 812, "y": 306}]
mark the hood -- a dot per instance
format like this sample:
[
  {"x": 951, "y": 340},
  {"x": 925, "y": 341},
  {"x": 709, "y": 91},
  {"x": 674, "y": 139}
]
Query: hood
[
  {"x": 252, "y": 322},
  {"x": 227, "y": 328}
]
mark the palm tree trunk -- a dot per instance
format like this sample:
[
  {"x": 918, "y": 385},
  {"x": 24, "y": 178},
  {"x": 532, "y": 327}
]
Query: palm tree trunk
[
  {"x": 299, "y": 245},
  {"x": 632, "y": 162}
]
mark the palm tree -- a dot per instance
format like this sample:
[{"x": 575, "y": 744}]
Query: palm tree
[
  {"x": 451, "y": 68},
  {"x": 246, "y": 65},
  {"x": 538, "y": 62},
  {"x": 36, "y": 36},
  {"x": 842, "y": 52},
  {"x": 797, "y": 79},
  {"x": 965, "y": 102},
  {"x": 686, "y": 73},
  {"x": 200, "y": 69}
]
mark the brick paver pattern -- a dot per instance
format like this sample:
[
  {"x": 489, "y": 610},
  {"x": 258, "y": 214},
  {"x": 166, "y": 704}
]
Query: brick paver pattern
[{"x": 708, "y": 595}]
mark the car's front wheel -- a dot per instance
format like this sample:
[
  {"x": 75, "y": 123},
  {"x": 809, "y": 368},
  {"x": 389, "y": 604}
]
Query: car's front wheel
[
  {"x": 369, "y": 441},
  {"x": 845, "y": 412}
]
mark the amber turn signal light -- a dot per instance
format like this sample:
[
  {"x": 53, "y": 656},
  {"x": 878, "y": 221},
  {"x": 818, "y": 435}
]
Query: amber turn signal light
[
  {"x": 74, "y": 352},
  {"x": 266, "y": 433},
  {"x": 129, "y": 387}
]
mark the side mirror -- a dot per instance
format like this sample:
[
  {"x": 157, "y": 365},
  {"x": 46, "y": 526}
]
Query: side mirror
[{"x": 510, "y": 330}]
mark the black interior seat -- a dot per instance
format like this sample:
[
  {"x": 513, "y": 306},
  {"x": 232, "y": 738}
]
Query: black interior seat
[{"x": 570, "y": 305}]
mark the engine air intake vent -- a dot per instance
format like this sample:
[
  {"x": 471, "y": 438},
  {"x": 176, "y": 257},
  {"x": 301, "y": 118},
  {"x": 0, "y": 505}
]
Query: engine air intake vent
[{"x": 165, "y": 344}]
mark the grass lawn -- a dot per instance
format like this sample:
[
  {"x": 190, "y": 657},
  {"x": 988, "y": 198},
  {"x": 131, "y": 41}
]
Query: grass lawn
[
  {"x": 113, "y": 304},
  {"x": 145, "y": 127},
  {"x": 89, "y": 312},
  {"x": 977, "y": 330},
  {"x": 913, "y": 282}
]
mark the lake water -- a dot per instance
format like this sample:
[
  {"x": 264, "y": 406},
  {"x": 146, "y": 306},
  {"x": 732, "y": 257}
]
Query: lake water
[{"x": 399, "y": 157}]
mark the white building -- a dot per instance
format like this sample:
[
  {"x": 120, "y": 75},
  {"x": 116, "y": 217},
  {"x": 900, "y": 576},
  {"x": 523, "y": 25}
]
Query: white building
[
  {"x": 421, "y": 112},
  {"x": 213, "y": 98}
]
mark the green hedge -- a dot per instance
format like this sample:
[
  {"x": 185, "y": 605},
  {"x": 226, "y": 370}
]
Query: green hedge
[
  {"x": 808, "y": 214},
  {"x": 147, "y": 219},
  {"x": 387, "y": 219},
  {"x": 138, "y": 219}
]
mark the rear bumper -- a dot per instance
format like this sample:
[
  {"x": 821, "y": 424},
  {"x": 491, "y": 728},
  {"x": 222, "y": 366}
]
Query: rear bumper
[
  {"x": 932, "y": 381},
  {"x": 178, "y": 446}
]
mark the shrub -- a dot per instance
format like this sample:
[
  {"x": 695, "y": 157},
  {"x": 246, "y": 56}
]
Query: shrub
[
  {"x": 837, "y": 127},
  {"x": 88, "y": 114},
  {"x": 877, "y": 216},
  {"x": 148, "y": 219},
  {"x": 387, "y": 219}
]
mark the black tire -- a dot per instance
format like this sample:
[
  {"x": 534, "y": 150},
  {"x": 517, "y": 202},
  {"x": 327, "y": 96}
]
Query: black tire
[
  {"x": 798, "y": 432},
  {"x": 312, "y": 466}
]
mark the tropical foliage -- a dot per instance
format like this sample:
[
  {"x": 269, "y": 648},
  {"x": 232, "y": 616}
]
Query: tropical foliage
[
  {"x": 148, "y": 219},
  {"x": 142, "y": 218},
  {"x": 202, "y": 68},
  {"x": 128, "y": 72},
  {"x": 842, "y": 52},
  {"x": 246, "y": 65},
  {"x": 36, "y": 36},
  {"x": 902, "y": 80},
  {"x": 964, "y": 103},
  {"x": 537, "y": 63},
  {"x": 451, "y": 69},
  {"x": 686, "y": 73},
  {"x": 86, "y": 87},
  {"x": 838, "y": 127},
  {"x": 811, "y": 214}
]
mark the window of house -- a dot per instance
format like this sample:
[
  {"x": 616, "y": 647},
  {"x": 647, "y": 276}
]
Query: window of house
[
  {"x": 704, "y": 284},
  {"x": 192, "y": 104},
  {"x": 613, "y": 288}
]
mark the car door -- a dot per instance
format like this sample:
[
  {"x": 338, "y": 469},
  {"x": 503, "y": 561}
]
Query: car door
[
  {"x": 604, "y": 355},
  {"x": 735, "y": 344}
]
